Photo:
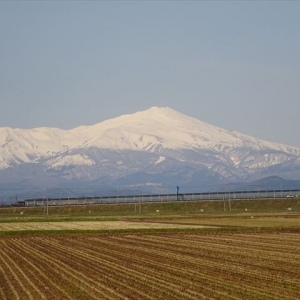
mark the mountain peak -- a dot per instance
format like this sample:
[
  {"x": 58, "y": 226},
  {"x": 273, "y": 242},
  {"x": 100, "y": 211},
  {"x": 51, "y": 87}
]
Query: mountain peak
[
  {"x": 165, "y": 127},
  {"x": 166, "y": 112},
  {"x": 164, "y": 116}
]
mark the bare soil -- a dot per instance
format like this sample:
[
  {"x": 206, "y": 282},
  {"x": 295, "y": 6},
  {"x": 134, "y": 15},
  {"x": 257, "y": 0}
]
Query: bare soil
[{"x": 151, "y": 266}]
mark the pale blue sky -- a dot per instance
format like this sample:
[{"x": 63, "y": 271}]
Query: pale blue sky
[{"x": 233, "y": 64}]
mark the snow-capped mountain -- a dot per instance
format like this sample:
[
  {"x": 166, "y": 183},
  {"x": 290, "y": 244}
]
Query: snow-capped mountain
[{"x": 159, "y": 146}]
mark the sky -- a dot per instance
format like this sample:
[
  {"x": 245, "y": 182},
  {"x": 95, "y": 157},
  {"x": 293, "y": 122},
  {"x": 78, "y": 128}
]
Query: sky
[{"x": 233, "y": 64}]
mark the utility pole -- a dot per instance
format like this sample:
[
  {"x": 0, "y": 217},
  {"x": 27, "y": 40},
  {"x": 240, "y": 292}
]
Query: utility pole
[
  {"x": 47, "y": 205},
  {"x": 140, "y": 206},
  {"x": 177, "y": 191}
]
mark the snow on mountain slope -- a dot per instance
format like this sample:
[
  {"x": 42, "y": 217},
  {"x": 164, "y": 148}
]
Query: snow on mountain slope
[
  {"x": 164, "y": 127},
  {"x": 123, "y": 145},
  {"x": 30, "y": 145}
]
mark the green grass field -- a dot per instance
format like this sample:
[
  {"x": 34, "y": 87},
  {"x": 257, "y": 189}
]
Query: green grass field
[
  {"x": 263, "y": 213},
  {"x": 164, "y": 208}
]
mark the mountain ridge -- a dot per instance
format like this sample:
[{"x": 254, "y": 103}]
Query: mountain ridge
[
  {"x": 138, "y": 131},
  {"x": 161, "y": 143}
]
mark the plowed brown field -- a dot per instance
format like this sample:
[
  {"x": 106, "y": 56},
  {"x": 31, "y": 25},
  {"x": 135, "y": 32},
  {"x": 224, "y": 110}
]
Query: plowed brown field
[{"x": 151, "y": 266}]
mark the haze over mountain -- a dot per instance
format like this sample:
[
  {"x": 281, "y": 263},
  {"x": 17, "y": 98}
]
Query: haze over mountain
[{"x": 158, "y": 148}]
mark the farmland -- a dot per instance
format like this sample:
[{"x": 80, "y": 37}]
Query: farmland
[
  {"x": 151, "y": 266},
  {"x": 81, "y": 253},
  {"x": 88, "y": 225}
]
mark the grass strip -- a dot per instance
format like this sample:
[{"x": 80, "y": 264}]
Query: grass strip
[{"x": 208, "y": 230}]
